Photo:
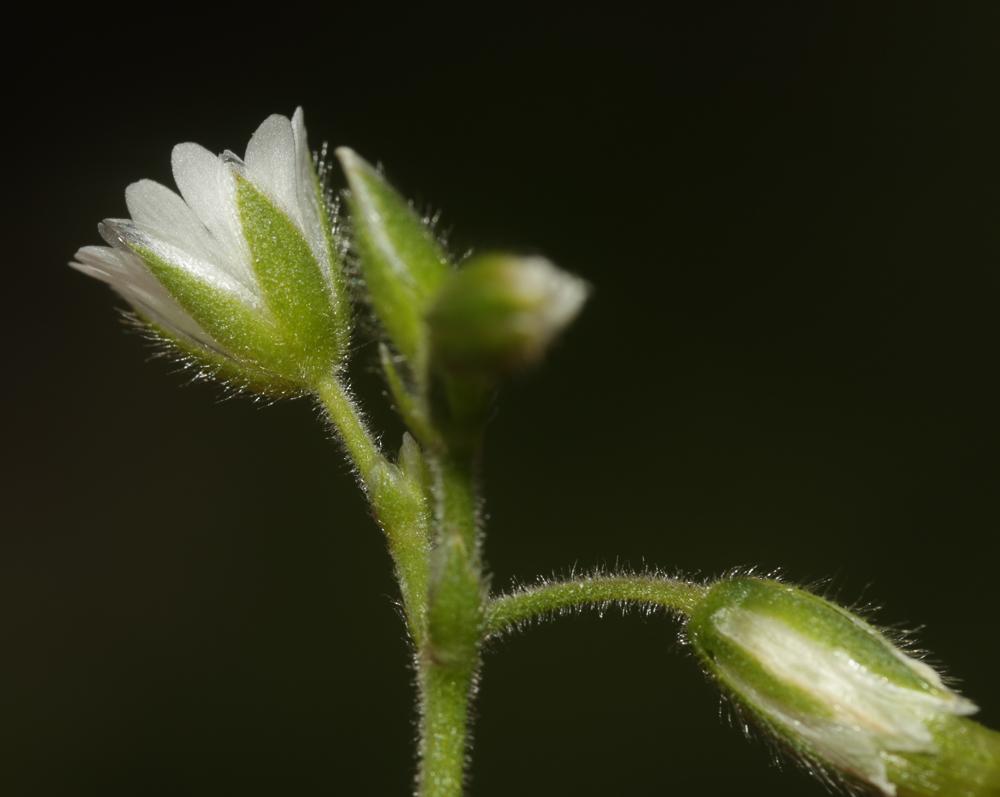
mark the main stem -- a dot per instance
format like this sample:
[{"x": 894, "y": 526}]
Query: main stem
[
  {"x": 444, "y": 703},
  {"x": 449, "y": 662}
]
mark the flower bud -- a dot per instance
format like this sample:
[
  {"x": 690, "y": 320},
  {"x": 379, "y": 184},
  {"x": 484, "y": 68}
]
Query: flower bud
[
  {"x": 835, "y": 689},
  {"x": 499, "y": 312},
  {"x": 402, "y": 262}
]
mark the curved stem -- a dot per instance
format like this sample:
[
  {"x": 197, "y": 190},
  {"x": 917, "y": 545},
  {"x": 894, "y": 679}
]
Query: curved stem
[
  {"x": 397, "y": 501},
  {"x": 509, "y": 611},
  {"x": 351, "y": 429}
]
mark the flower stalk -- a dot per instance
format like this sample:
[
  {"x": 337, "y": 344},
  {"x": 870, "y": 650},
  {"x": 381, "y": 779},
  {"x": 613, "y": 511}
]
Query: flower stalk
[
  {"x": 397, "y": 500},
  {"x": 509, "y": 612}
]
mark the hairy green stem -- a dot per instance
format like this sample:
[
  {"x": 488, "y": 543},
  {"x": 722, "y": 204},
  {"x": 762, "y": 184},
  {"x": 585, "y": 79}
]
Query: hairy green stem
[
  {"x": 351, "y": 429},
  {"x": 458, "y": 510},
  {"x": 398, "y": 503},
  {"x": 450, "y": 660},
  {"x": 444, "y": 708},
  {"x": 508, "y": 611}
]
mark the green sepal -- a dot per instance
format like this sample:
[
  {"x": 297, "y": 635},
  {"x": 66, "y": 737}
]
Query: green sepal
[
  {"x": 402, "y": 262},
  {"x": 236, "y": 376},
  {"x": 340, "y": 294},
  {"x": 966, "y": 763},
  {"x": 813, "y": 617},
  {"x": 250, "y": 336},
  {"x": 295, "y": 290},
  {"x": 500, "y": 312}
]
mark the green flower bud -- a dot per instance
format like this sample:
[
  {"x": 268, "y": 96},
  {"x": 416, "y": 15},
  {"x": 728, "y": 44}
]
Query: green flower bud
[
  {"x": 402, "y": 262},
  {"x": 500, "y": 312},
  {"x": 839, "y": 693},
  {"x": 239, "y": 270}
]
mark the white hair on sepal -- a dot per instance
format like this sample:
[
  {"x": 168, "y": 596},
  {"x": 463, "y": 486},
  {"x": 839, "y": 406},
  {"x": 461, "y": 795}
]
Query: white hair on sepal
[
  {"x": 198, "y": 370},
  {"x": 432, "y": 217},
  {"x": 331, "y": 199},
  {"x": 352, "y": 275},
  {"x": 902, "y": 634}
]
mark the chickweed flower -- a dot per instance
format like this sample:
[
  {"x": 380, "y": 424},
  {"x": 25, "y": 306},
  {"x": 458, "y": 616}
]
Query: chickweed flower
[
  {"x": 241, "y": 269},
  {"x": 833, "y": 688}
]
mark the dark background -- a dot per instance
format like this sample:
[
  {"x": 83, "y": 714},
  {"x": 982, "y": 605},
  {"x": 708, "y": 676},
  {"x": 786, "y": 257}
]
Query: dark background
[{"x": 790, "y": 214}]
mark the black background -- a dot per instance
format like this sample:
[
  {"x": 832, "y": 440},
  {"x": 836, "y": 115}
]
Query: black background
[{"x": 790, "y": 214}]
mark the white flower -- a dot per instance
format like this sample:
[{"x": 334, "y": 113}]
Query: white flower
[
  {"x": 242, "y": 264},
  {"x": 827, "y": 682}
]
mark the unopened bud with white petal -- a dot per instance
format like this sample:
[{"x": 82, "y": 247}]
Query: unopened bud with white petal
[
  {"x": 500, "y": 312},
  {"x": 240, "y": 270},
  {"x": 840, "y": 694}
]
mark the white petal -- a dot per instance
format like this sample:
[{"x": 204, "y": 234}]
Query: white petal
[
  {"x": 128, "y": 275},
  {"x": 123, "y": 233},
  {"x": 161, "y": 212},
  {"x": 313, "y": 224},
  {"x": 112, "y": 266},
  {"x": 208, "y": 186},
  {"x": 271, "y": 165}
]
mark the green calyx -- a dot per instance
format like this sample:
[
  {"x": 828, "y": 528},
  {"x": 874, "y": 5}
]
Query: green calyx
[
  {"x": 238, "y": 376},
  {"x": 494, "y": 315},
  {"x": 251, "y": 339},
  {"x": 839, "y": 693}
]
